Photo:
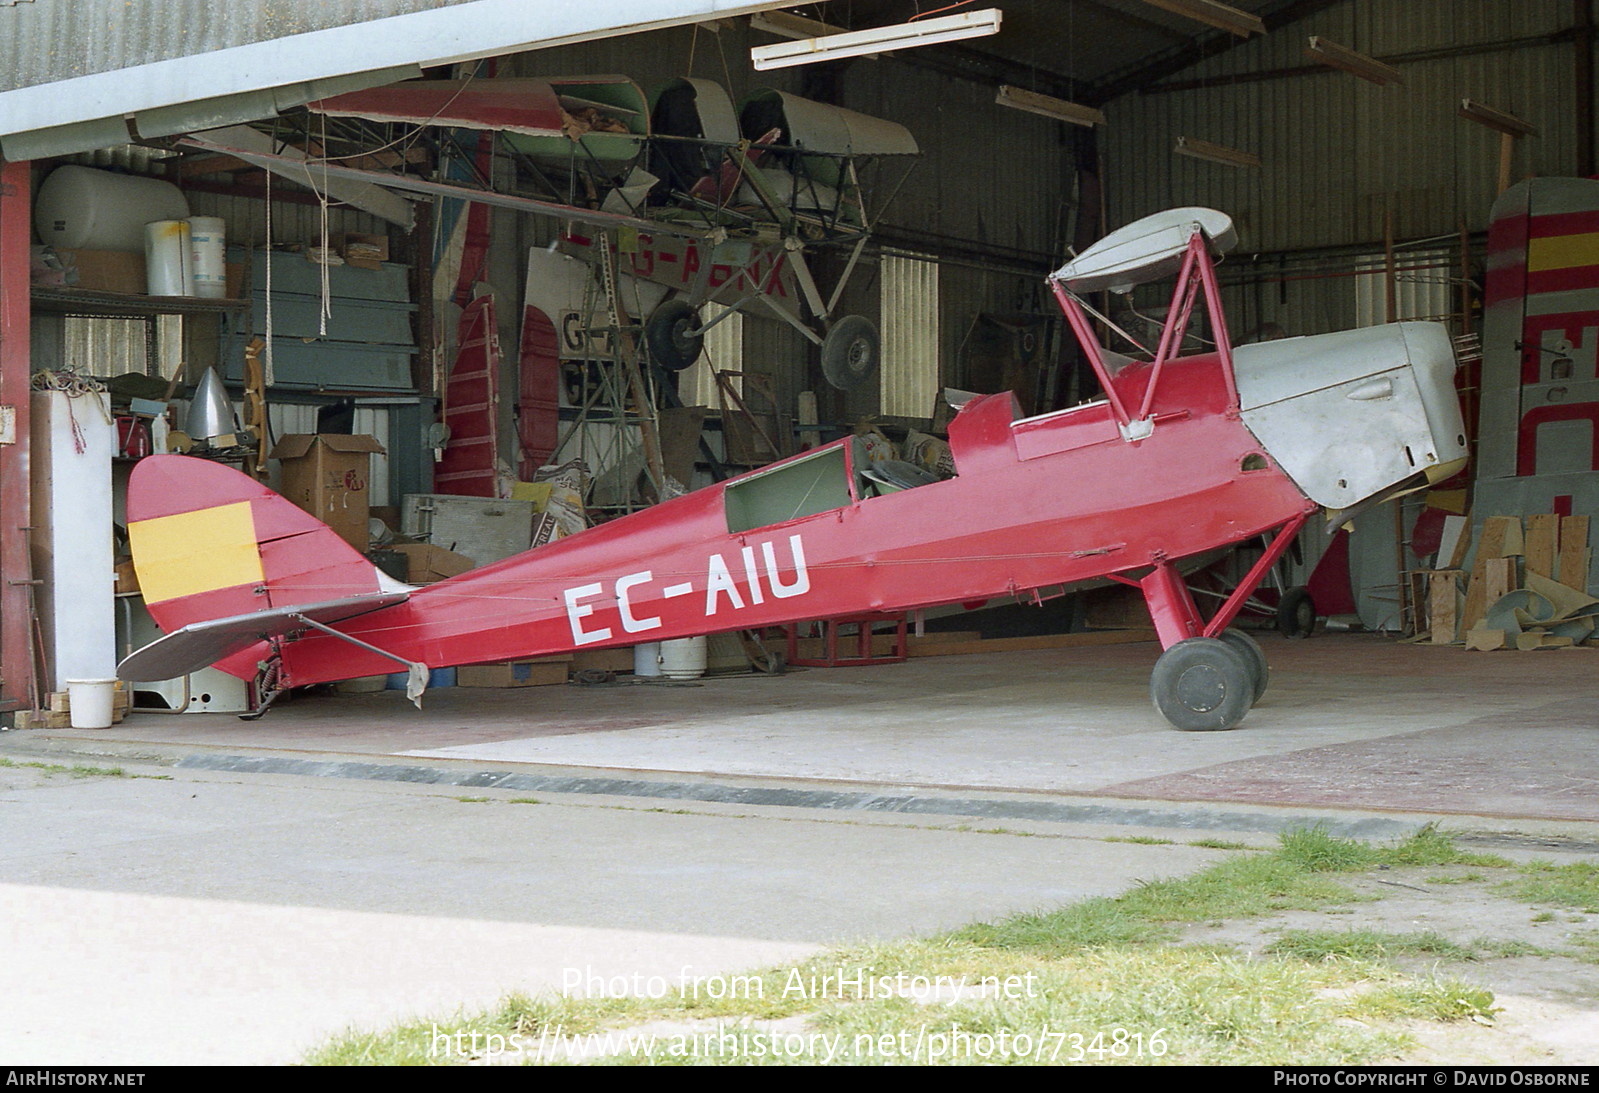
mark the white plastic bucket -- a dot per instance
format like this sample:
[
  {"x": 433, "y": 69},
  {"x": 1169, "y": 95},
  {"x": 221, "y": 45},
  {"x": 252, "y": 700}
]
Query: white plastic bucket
[
  {"x": 208, "y": 250},
  {"x": 91, "y": 701},
  {"x": 684, "y": 658},
  {"x": 647, "y": 659},
  {"x": 168, "y": 264}
]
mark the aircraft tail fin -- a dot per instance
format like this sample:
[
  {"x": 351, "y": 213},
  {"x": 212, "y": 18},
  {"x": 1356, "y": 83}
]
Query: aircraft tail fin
[{"x": 210, "y": 543}]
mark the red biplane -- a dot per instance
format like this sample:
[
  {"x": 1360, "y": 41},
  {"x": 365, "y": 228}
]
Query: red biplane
[{"x": 1185, "y": 456}]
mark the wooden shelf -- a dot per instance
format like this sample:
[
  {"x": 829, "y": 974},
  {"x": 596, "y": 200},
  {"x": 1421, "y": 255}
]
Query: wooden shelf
[{"x": 91, "y": 303}]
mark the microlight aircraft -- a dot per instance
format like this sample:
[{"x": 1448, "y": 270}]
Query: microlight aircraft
[{"x": 1185, "y": 456}]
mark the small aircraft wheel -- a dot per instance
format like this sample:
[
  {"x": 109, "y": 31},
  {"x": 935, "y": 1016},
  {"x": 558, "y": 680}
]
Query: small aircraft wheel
[
  {"x": 1202, "y": 685},
  {"x": 1254, "y": 656},
  {"x": 673, "y": 334},
  {"x": 1296, "y": 614},
  {"x": 849, "y": 352}
]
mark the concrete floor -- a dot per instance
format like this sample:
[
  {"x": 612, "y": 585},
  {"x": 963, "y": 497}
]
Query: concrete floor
[
  {"x": 1350, "y": 721},
  {"x": 352, "y": 860}
]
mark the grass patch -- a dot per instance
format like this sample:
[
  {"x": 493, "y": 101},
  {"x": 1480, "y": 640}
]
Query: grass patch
[
  {"x": 474, "y": 800},
  {"x": 1435, "y": 1000},
  {"x": 1316, "y": 945},
  {"x": 1221, "y": 844},
  {"x": 1101, "y": 973},
  {"x": 78, "y": 770},
  {"x": 1575, "y": 885},
  {"x": 1430, "y": 846},
  {"x": 517, "y": 1018},
  {"x": 524, "y": 801},
  {"x": 1142, "y": 840}
]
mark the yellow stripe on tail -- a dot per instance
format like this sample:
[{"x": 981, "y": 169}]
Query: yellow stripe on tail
[{"x": 195, "y": 552}]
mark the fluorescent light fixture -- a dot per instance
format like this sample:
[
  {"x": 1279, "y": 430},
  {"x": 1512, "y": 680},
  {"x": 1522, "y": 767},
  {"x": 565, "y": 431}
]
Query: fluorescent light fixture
[
  {"x": 1215, "y": 153},
  {"x": 1508, "y": 124},
  {"x": 1050, "y": 107},
  {"x": 788, "y": 25},
  {"x": 1221, "y": 16},
  {"x": 1336, "y": 56},
  {"x": 856, "y": 43}
]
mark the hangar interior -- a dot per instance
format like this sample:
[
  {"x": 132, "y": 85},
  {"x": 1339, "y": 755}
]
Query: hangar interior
[{"x": 470, "y": 279}]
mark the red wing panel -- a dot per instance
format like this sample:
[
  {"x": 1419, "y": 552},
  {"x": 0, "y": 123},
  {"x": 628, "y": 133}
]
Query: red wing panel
[
  {"x": 513, "y": 106},
  {"x": 539, "y": 391},
  {"x": 470, "y": 397}
]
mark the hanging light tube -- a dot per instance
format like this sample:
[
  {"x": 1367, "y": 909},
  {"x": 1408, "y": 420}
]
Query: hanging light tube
[
  {"x": 1049, "y": 106},
  {"x": 856, "y": 43},
  {"x": 1215, "y": 153},
  {"x": 1336, "y": 56},
  {"x": 1213, "y": 13}
]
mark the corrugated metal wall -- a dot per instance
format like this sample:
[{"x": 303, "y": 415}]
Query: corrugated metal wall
[
  {"x": 1337, "y": 150},
  {"x": 1339, "y": 153},
  {"x": 41, "y": 42}
]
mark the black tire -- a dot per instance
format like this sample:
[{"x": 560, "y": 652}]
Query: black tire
[
  {"x": 1296, "y": 613},
  {"x": 1202, "y": 685},
  {"x": 673, "y": 334},
  {"x": 1254, "y": 656},
  {"x": 849, "y": 352}
]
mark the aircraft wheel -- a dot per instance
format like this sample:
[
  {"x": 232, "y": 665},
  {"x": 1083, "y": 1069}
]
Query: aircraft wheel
[
  {"x": 1254, "y": 656},
  {"x": 849, "y": 352},
  {"x": 1296, "y": 614},
  {"x": 1202, "y": 685},
  {"x": 673, "y": 334}
]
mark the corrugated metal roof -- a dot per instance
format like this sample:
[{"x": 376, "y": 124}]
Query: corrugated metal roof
[{"x": 54, "y": 75}]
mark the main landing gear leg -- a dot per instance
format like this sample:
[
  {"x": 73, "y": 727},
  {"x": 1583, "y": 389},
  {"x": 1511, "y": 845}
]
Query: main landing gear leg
[
  {"x": 1210, "y": 675},
  {"x": 1200, "y": 684}
]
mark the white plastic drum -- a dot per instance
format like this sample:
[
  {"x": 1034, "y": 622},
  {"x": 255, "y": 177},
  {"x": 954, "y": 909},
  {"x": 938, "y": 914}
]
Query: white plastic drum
[
  {"x": 80, "y": 208},
  {"x": 208, "y": 248},
  {"x": 684, "y": 658},
  {"x": 647, "y": 659},
  {"x": 169, "y": 265}
]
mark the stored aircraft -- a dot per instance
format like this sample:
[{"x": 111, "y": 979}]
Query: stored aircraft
[{"x": 1185, "y": 456}]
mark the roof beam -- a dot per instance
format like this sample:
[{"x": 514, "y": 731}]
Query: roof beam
[{"x": 1275, "y": 15}]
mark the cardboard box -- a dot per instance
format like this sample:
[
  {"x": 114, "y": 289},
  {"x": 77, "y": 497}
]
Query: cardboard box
[
  {"x": 127, "y": 578},
  {"x": 363, "y": 251},
  {"x": 538, "y": 672},
  {"x": 426, "y": 563},
  {"x": 327, "y": 475},
  {"x": 603, "y": 660},
  {"x": 108, "y": 270}
]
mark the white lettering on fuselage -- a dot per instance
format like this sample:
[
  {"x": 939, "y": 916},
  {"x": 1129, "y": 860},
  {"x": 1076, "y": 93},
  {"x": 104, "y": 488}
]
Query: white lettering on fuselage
[{"x": 722, "y": 591}]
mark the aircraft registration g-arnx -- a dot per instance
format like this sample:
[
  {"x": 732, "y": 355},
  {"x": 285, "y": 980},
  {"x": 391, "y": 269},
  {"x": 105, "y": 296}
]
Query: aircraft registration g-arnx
[{"x": 1184, "y": 456}]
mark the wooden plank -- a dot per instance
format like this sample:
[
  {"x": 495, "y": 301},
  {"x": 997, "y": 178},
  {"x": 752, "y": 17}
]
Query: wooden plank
[
  {"x": 1543, "y": 543},
  {"x": 1574, "y": 557},
  {"x": 1455, "y": 542},
  {"x": 1443, "y": 606},
  {"x": 1046, "y": 641},
  {"x": 1501, "y": 537},
  {"x": 1499, "y": 578},
  {"x": 934, "y": 637}
]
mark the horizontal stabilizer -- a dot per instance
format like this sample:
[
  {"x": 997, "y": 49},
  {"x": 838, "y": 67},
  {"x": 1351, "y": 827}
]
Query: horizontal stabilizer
[{"x": 200, "y": 644}]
